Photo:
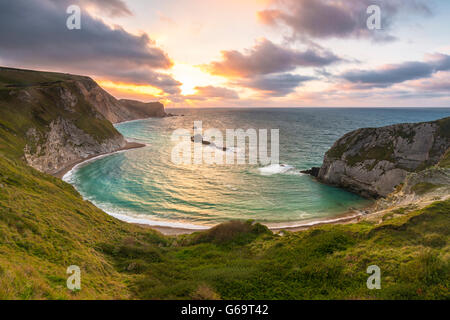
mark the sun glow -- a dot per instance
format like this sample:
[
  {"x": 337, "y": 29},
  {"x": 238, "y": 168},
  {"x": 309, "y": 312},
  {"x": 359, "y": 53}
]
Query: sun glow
[
  {"x": 132, "y": 88},
  {"x": 192, "y": 76}
]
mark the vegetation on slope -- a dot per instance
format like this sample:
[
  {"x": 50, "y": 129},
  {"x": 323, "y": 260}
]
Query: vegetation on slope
[
  {"x": 445, "y": 161},
  {"x": 28, "y": 99},
  {"x": 20, "y": 78},
  {"x": 45, "y": 226},
  {"x": 385, "y": 149},
  {"x": 328, "y": 262}
]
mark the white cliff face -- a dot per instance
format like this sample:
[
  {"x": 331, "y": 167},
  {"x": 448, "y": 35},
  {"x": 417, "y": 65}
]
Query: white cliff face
[
  {"x": 75, "y": 129},
  {"x": 373, "y": 161},
  {"x": 54, "y": 120},
  {"x": 64, "y": 145}
]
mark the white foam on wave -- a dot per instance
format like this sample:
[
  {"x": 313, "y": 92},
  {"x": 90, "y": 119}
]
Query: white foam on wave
[
  {"x": 276, "y": 169},
  {"x": 312, "y": 223},
  {"x": 154, "y": 223},
  {"x": 132, "y": 121},
  {"x": 69, "y": 174}
]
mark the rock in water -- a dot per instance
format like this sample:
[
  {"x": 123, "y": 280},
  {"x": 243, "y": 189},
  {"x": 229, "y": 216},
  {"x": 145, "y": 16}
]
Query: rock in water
[{"x": 314, "y": 171}]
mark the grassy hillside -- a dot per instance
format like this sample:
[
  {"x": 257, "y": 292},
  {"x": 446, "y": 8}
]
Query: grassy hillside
[
  {"x": 45, "y": 226},
  {"x": 14, "y": 78}
]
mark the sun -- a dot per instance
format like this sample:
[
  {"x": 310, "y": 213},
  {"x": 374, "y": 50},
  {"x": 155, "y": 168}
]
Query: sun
[{"x": 191, "y": 77}]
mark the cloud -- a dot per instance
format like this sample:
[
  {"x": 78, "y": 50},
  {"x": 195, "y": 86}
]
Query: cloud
[
  {"x": 275, "y": 85},
  {"x": 266, "y": 58},
  {"x": 440, "y": 61},
  {"x": 146, "y": 76},
  {"x": 337, "y": 18},
  {"x": 439, "y": 83},
  {"x": 37, "y": 37},
  {"x": 211, "y": 92},
  {"x": 113, "y": 8},
  {"x": 391, "y": 74}
]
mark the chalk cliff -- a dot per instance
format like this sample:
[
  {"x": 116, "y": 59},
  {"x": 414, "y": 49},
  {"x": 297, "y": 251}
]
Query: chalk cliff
[
  {"x": 374, "y": 161},
  {"x": 53, "y": 120}
]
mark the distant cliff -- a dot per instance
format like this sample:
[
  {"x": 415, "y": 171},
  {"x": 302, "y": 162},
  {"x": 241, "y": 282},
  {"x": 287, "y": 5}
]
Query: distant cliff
[
  {"x": 53, "y": 120},
  {"x": 374, "y": 161},
  {"x": 141, "y": 110},
  {"x": 117, "y": 110}
]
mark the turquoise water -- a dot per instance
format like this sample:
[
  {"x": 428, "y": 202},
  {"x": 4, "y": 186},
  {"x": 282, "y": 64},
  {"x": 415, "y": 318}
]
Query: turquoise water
[{"x": 144, "y": 185}]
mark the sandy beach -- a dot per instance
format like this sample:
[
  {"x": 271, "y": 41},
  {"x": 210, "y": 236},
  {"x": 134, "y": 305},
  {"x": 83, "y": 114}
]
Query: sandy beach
[{"x": 168, "y": 231}]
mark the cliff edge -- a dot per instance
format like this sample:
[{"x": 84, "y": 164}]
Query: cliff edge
[
  {"x": 374, "y": 161},
  {"x": 53, "y": 120}
]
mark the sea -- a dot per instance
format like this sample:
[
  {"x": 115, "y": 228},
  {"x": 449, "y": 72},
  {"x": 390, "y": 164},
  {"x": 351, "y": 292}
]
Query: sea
[{"x": 147, "y": 186}]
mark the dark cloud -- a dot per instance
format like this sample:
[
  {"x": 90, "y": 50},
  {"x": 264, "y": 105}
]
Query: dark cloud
[
  {"x": 211, "y": 92},
  {"x": 146, "y": 76},
  {"x": 389, "y": 75},
  {"x": 275, "y": 85},
  {"x": 266, "y": 58},
  {"x": 335, "y": 18},
  {"x": 37, "y": 37},
  {"x": 436, "y": 86},
  {"x": 441, "y": 62}
]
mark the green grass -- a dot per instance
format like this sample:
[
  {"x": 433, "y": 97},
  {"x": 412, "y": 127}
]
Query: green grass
[
  {"x": 45, "y": 226},
  {"x": 30, "y": 99},
  {"x": 445, "y": 161},
  {"x": 386, "y": 151},
  {"x": 444, "y": 127},
  {"x": 20, "y": 78},
  {"x": 424, "y": 187},
  {"x": 327, "y": 262},
  {"x": 378, "y": 153}
]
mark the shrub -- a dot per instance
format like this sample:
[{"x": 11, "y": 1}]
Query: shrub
[
  {"x": 237, "y": 232},
  {"x": 424, "y": 187},
  {"x": 204, "y": 292}
]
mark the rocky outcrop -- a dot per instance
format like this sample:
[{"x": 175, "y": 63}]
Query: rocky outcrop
[
  {"x": 142, "y": 110},
  {"x": 64, "y": 125},
  {"x": 63, "y": 145},
  {"x": 314, "y": 171},
  {"x": 53, "y": 120},
  {"x": 374, "y": 161}
]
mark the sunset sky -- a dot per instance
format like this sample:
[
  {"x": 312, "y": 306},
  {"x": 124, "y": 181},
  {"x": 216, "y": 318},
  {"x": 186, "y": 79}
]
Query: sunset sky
[{"x": 247, "y": 53}]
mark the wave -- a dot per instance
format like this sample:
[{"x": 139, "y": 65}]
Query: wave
[
  {"x": 144, "y": 220},
  {"x": 69, "y": 174},
  {"x": 278, "y": 169},
  {"x": 155, "y": 223}
]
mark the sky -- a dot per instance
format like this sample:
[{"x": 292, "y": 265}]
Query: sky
[{"x": 241, "y": 53}]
